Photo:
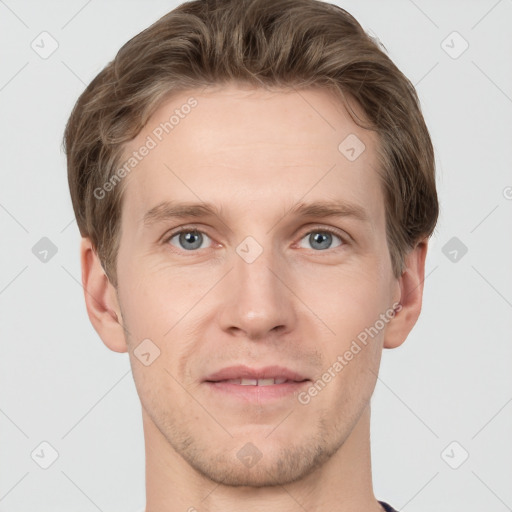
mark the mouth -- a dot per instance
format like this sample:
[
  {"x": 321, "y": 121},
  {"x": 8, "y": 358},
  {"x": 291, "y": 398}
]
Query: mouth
[
  {"x": 247, "y": 376},
  {"x": 256, "y": 385},
  {"x": 258, "y": 382}
]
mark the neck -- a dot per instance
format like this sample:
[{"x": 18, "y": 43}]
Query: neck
[{"x": 343, "y": 483}]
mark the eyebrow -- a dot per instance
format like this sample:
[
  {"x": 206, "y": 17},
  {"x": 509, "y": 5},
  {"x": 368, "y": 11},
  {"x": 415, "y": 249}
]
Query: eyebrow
[{"x": 168, "y": 210}]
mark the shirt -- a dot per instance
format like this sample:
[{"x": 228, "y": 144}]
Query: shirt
[{"x": 387, "y": 508}]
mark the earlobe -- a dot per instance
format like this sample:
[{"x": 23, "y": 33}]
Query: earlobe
[
  {"x": 411, "y": 295},
  {"x": 101, "y": 299}
]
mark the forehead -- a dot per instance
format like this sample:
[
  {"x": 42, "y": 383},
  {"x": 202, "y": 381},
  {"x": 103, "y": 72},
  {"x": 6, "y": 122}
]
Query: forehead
[{"x": 253, "y": 147}]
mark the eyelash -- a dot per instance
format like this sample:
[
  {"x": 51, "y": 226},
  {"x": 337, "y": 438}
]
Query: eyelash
[{"x": 316, "y": 229}]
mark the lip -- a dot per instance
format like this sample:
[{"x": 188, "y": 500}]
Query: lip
[
  {"x": 218, "y": 384},
  {"x": 246, "y": 372}
]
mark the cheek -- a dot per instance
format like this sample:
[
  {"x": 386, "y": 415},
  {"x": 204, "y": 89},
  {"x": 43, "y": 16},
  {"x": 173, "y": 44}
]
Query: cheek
[
  {"x": 152, "y": 301},
  {"x": 347, "y": 299},
  {"x": 350, "y": 304},
  {"x": 157, "y": 309},
  {"x": 350, "y": 374}
]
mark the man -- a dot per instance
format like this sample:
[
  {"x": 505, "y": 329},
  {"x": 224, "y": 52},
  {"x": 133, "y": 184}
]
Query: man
[{"x": 255, "y": 188}]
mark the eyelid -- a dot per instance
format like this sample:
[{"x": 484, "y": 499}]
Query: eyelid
[{"x": 305, "y": 231}]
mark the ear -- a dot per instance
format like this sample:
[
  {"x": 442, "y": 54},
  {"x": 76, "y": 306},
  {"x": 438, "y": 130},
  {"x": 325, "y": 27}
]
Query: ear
[
  {"x": 101, "y": 299},
  {"x": 411, "y": 295}
]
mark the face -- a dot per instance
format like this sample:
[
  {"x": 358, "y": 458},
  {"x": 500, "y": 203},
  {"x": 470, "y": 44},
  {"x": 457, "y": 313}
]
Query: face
[{"x": 227, "y": 266}]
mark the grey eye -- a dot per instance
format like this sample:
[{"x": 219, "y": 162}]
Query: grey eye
[
  {"x": 321, "y": 240},
  {"x": 189, "y": 240}
]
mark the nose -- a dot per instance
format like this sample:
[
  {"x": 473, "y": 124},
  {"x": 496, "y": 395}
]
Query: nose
[{"x": 257, "y": 300}]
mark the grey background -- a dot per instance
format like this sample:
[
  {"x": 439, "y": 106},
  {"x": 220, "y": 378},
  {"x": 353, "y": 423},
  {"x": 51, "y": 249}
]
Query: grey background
[{"x": 450, "y": 381}]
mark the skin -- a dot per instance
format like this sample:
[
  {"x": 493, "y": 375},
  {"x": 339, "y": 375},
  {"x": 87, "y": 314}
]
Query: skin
[{"x": 255, "y": 154}]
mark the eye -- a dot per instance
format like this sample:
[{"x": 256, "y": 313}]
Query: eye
[
  {"x": 322, "y": 239},
  {"x": 188, "y": 239}
]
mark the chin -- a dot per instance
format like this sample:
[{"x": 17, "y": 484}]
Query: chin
[{"x": 259, "y": 464}]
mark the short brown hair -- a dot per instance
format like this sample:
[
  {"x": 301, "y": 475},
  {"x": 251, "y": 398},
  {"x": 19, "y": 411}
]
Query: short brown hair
[{"x": 290, "y": 44}]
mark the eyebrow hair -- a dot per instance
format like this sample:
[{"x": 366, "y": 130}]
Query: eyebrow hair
[
  {"x": 167, "y": 210},
  {"x": 330, "y": 209},
  {"x": 177, "y": 210}
]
